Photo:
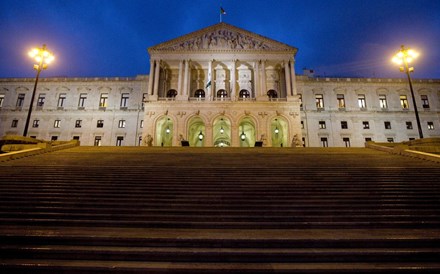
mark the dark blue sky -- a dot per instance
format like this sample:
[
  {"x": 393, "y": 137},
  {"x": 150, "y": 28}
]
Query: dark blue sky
[{"x": 94, "y": 38}]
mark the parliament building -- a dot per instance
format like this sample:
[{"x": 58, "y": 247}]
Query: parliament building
[{"x": 221, "y": 86}]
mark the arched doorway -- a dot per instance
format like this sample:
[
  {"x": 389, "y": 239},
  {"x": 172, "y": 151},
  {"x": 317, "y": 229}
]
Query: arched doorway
[
  {"x": 279, "y": 132},
  {"x": 171, "y": 93},
  {"x": 246, "y": 131},
  {"x": 164, "y": 132},
  {"x": 272, "y": 94},
  {"x": 221, "y": 94},
  {"x": 200, "y": 93},
  {"x": 196, "y": 132},
  {"x": 244, "y": 94},
  {"x": 222, "y": 132}
]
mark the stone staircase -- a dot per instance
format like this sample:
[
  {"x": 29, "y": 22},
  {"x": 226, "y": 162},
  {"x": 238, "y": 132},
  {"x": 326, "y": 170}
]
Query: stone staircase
[{"x": 212, "y": 210}]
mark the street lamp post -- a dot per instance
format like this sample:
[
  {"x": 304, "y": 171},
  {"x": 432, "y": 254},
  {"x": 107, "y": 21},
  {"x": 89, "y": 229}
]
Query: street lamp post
[
  {"x": 404, "y": 57},
  {"x": 43, "y": 57}
]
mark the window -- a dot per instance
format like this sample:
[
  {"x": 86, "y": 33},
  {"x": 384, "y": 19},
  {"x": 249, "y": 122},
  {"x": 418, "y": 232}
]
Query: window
[
  {"x": 14, "y": 123},
  {"x": 272, "y": 94},
  {"x": 82, "y": 100},
  {"x": 97, "y": 141},
  {"x": 368, "y": 139},
  {"x": 36, "y": 123},
  {"x": 409, "y": 125},
  {"x": 124, "y": 100},
  {"x": 366, "y": 124},
  {"x": 54, "y": 138},
  {"x": 220, "y": 94},
  {"x": 361, "y": 101},
  {"x": 2, "y": 98},
  {"x": 141, "y": 125},
  {"x": 171, "y": 93},
  {"x": 75, "y": 137},
  {"x": 300, "y": 100},
  {"x": 103, "y": 100},
  {"x": 346, "y": 141},
  {"x": 244, "y": 93},
  {"x": 140, "y": 140},
  {"x": 100, "y": 123},
  {"x": 390, "y": 140},
  {"x": 341, "y": 100},
  {"x": 57, "y": 123},
  {"x": 344, "y": 124},
  {"x": 319, "y": 101},
  {"x": 121, "y": 124},
  {"x": 20, "y": 100},
  {"x": 404, "y": 102},
  {"x": 383, "y": 101},
  {"x": 322, "y": 125},
  {"x": 144, "y": 99},
  {"x": 324, "y": 142},
  {"x": 387, "y": 125},
  {"x": 302, "y": 124},
  {"x": 425, "y": 102},
  {"x": 61, "y": 100},
  {"x": 119, "y": 140},
  {"x": 78, "y": 123},
  {"x": 41, "y": 99},
  {"x": 430, "y": 125}
]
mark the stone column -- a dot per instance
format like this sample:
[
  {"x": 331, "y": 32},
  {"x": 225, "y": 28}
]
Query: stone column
[
  {"x": 287, "y": 75},
  {"x": 179, "y": 81},
  {"x": 156, "y": 78},
  {"x": 210, "y": 79},
  {"x": 185, "y": 79},
  {"x": 292, "y": 73},
  {"x": 151, "y": 78},
  {"x": 256, "y": 90},
  {"x": 235, "y": 135},
  {"x": 263, "y": 78},
  {"x": 209, "y": 142},
  {"x": 233, "y": 81}
]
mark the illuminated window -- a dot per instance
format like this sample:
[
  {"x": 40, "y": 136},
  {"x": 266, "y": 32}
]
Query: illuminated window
[
  {"x": 100, "y": 123},
  {"x": 41, "y": 99},
  {"x": 404, "y": 102},
  {"x": 430, "y": 125},
  {"x": 97, "y": 141},
  {"x": 319, "y": 100},
  {"x": 383, "y": 101},
  {"x": 20, "y": 100},
  {"x": 103, "y": 100},
  {"x": 409, "y": 125},
  {"x": 36, "y": 123},
  {"x": 61, "y": 100},
  {"x": 119, "y": 140},
  {"x": 425, "y": 102},
  {"x": 124, "y": 99},
  {"x": 322, "y": 125},
  {"x": 366, "y": 124},
  {"x": 346, "y": 141},
  {"x": 57, "y": 124},
  {"x": 78, "y": 123},
  {"x": 341, "y": 100},
  {"x": 344, "y": 124},
  {"x": 82, "y": 100},
  {"x": 121, "y": 124},
  {"x": 361, "y": 101},
  {"x": 324, "y": 142},
  {"x": 387, "y": 125}
]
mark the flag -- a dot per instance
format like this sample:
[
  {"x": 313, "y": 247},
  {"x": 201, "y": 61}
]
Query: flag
[
  {"x": 208, "y": 84},
  {"x": 222, "y": 11}
]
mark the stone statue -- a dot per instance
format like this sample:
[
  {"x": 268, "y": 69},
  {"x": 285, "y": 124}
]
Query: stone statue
[
  {"x": 295, "y": 141},
  {"x": 149, "y": 140}
]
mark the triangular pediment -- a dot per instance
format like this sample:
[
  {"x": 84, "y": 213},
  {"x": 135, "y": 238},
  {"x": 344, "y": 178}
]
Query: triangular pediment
[{"x": 222, "y": 37}]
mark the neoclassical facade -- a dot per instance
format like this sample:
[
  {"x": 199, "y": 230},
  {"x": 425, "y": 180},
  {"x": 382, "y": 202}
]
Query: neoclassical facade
[{"x": 221, "y": 86}]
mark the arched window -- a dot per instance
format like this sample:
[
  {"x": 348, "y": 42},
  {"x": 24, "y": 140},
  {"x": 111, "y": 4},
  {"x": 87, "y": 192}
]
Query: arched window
[
  {"x": 222, "y": 93},
  {"x": 244, "y": 93},
  {"x": 171, "y": 93},
  {"x": 272, "y": 93},
  {"x": 200, "y": 93}
]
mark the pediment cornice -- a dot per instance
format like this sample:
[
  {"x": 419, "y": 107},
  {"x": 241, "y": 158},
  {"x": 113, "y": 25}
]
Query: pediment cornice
[{"x": 222, "y": 37}]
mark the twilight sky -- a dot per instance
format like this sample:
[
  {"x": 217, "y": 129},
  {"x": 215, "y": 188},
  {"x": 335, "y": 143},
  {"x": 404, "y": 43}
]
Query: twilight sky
[{"x": 95, "y": 38}]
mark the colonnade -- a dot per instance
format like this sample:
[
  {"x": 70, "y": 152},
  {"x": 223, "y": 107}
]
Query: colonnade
[{"x": 259, "y": 78}]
